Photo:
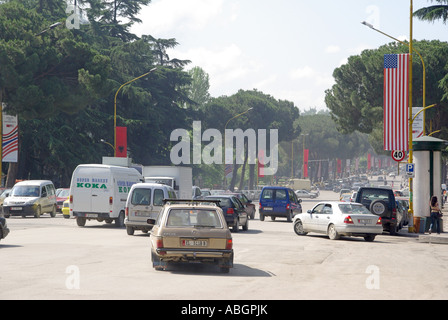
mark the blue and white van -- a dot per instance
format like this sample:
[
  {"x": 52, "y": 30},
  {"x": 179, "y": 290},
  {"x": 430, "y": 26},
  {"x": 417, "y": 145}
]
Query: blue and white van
[{"x": 279, "y": 202}]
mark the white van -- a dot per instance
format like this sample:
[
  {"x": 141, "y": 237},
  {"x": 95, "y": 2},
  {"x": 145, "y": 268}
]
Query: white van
[
  {"x": 31, "y": 197},
  {"x": 100, "y": 191},
  {"x": 145, "y": 200}
]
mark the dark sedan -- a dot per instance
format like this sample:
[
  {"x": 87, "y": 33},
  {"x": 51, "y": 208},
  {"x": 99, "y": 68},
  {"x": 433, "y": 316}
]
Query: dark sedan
[{"x": 234, "y": 211}]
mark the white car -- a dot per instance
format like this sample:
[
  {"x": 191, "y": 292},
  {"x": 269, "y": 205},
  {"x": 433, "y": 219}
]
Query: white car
[
  {"x": 337, "y": 219},
  {"x": 305, "y": 194}
]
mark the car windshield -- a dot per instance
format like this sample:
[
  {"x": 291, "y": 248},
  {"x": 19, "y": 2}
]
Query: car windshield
[
  {"x": 353, "y": 209},
  {"x": 25, "y": 191},
  {"x": 193, "y": 218}
]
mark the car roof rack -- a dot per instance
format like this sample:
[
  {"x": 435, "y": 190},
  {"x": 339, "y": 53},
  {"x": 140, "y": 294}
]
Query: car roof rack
[{"x": 191, "y": 201}]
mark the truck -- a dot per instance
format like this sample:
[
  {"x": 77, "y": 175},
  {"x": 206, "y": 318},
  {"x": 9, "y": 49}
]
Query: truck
[
  {"x": 178, "y": 177},
  {"x": 99, "y": 192},
  {"x": 296, "y": 184}
]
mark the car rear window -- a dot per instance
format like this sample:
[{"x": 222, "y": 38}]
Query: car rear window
[
  {"x": 193, "y": 218},
  {"x": 224, "y": 202},
  {"x": 274, "y": 194},
  {"x": 141, "y": 196},
  {"x": 353, "y": 209},
  {"x": 376, "y": 194}
]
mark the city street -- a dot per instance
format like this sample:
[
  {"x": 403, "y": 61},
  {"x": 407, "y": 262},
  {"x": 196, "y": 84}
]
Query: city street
[{"x": 53, "y": 258}]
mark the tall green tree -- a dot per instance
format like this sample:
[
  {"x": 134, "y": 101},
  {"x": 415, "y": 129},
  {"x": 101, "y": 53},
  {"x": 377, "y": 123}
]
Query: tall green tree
[{"x": 433, "y": 13}]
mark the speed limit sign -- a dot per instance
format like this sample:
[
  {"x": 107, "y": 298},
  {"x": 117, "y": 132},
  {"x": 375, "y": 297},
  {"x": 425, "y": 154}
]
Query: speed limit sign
[{"x": 398, "y": 155}]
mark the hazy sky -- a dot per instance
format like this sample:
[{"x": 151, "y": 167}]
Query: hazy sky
[{"x": 285, "y": 48}]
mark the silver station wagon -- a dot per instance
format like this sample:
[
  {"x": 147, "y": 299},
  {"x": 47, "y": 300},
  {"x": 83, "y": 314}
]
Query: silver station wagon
[{"x": 337, "y": 219}]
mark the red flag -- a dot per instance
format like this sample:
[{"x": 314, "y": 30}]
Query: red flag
[
  {"x": 261, "y": 163},
  {"x": 306, "y": 153},
  {"x": 339, "y": 166},
  {"x": 396, "y": 102},
  {"x": 369, "y": 161},
  {"x": 122, "y": 144}
]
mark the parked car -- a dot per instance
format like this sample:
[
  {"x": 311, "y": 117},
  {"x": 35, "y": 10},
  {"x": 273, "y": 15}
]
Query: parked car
[
  {"x": 4, "y": 195},
  {"x": 250, "y": 207},
  {"x": 3, "y": 228},
  {"x": 31, "y": 197},
  {"x": 191, "y": 232},
  {"x": 66, "y": 208},
  {"x": 381, "y": 202},
  {"x": 337, "y": 219},
  {"x": 301, "y": 194},
  {"x": 144, "y": 202},
  {"x": 402, "y": 212},
  {"x": 61, "y": 196},
  {"x": 234, "y": 211},
  {"x": 279, "y": 202}
]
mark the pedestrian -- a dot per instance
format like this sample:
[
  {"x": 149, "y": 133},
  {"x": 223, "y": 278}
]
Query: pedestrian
[{"x": 436, "y": 215}]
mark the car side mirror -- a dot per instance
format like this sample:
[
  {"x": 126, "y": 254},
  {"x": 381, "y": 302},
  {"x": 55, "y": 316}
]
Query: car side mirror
[
  {"x": 151, "y": 221},
  {"x": 309, "y": 211},
  {"x": 249, "y": 201},
  {"x": 300, "y": 201}
]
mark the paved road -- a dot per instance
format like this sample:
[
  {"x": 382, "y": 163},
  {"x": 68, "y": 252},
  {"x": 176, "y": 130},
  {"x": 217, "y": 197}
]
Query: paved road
[{"x": 53, "y": 258}]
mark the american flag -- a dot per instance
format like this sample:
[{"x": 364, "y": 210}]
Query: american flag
[{"x": 396, "y": 102}]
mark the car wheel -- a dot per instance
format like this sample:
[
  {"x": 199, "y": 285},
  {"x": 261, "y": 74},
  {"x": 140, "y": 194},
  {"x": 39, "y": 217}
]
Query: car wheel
[
  {"x": 369, "y": 237},
  {"x": 119, "y": 222},
  {"x": 53, "y": 212},
  {"x": 81, "y": 221},
  {"x": 298, "y": 228},
  {"x": 38, "y": 212},
  {"x": 130, "y": 231},
  {"x": 378, "y": 207},
  {"x": 289, "y": 216},
  {"x": 236, "y": 226},
  {"x": 332, "y": 232},
  {"x": 246, "y": 226},
  {"x": 261, "y": 217}
]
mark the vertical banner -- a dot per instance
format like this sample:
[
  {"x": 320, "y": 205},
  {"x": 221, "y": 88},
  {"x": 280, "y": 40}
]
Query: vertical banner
[
  {"x": 396, "y": 104},
  {"x": 339, "y": 166},
  {"x": 10, "y": 141},
  {"x": 369, "y": 163},
  {"x": 306, "y": 153},
  {"x": 260, "y": 164},
  {"x": 122, "y": 142}
]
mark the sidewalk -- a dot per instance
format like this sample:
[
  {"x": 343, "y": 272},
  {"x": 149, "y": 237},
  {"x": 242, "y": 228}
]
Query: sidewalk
[{"x": 441, "y": 238}]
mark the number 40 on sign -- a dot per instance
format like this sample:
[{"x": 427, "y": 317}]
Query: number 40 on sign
[{"x": 398, "y": 155}]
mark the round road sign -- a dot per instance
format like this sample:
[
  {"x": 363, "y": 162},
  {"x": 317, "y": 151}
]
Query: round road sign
[{"x": 398, "y": 155}]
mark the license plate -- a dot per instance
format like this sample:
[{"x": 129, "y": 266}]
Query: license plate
[
  {"x": 194, "y": 243},
  {"x": 91, "y": 215},
  {"x": 16, "y": 208},
  {"x": 142, "y": 214},
  {"x": 365, "y": 221},
  {"x": 267, "y": 209}
]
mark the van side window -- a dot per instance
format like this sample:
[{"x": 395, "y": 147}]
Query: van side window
[
  {"x": 141, "y": 196},
  {"x": 43, "y": 192},
  {"x": 158, "y": 197}
]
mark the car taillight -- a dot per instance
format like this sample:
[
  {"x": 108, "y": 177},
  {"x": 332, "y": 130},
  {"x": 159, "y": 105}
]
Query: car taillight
[
  {"x": 287, "y": 206},
  {"x": 159, "y": 243},
  {"x": 229, "y": 244},
  {"x": 260, "y": 206},
  {"x": 394, "y": 213},
  {"x": 230, "y": 211},
  {"x": 71, "y": 198},
  {"x": 111, "y": 200},
  {"x": 348, "y": 220},
  {"x": 379, "y": 221},
  {"x": 126, "y": 211}
]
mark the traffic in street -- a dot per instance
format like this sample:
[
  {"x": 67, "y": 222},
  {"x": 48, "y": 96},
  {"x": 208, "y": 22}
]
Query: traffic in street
[{"x": 54, "y": 258}]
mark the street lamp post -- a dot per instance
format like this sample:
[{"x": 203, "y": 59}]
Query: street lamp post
[{"x": 115, "y": 107}]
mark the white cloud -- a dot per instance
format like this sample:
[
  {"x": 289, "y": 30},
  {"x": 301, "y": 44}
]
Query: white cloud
[
  {"x": 332, "y": 49},
  {"x": 162, "y": 17}
]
